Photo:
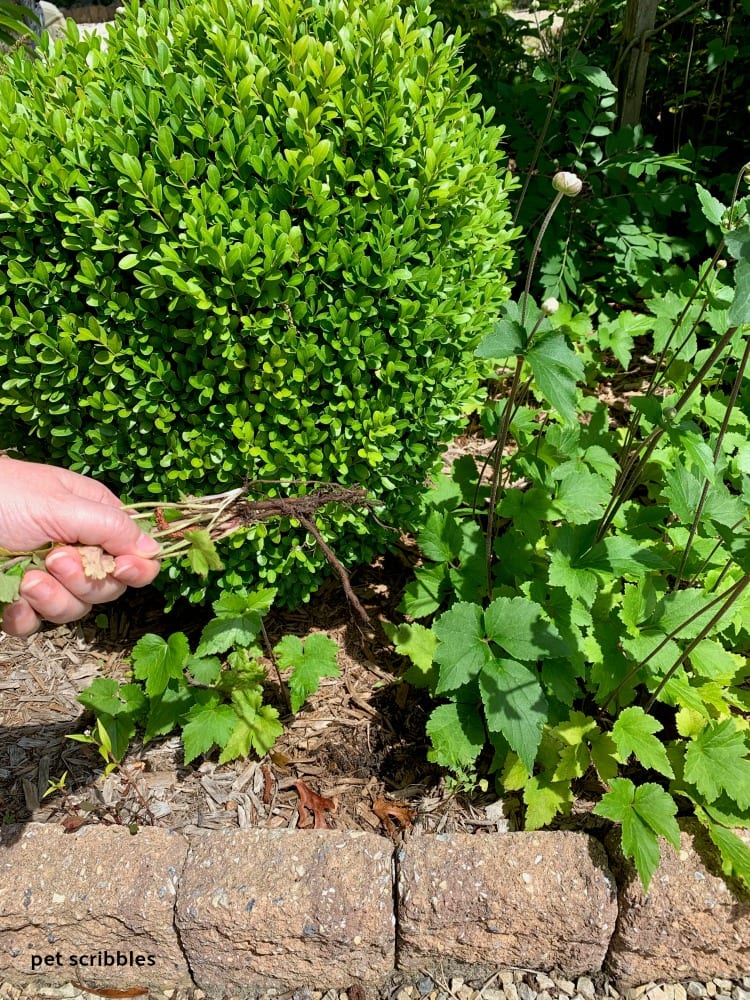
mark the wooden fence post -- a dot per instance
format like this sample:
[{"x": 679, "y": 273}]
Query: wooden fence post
[{"x": 640, "y": 17}]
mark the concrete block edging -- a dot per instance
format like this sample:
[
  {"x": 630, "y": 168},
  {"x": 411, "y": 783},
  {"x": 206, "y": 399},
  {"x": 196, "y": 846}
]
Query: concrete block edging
[{"x": 239, "y": 912}]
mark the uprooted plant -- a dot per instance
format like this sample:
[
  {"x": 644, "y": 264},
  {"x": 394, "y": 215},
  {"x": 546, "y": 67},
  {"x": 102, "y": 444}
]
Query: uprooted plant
[{"x": 189, "y": 529}]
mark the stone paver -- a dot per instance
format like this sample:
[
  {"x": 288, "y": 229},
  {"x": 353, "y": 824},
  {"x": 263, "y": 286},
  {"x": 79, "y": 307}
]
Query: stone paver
[
  {"x": 260, "y": 908},
  {"x": 238, "y": 913},
  {"x": 690, "y": 926},
  {"x": 540, "y": 900},
  {"x": 96, "y": 905}
]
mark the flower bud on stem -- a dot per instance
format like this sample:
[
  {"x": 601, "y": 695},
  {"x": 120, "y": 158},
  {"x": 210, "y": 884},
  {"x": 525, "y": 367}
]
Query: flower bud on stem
[{"x": 566, "y": 185}]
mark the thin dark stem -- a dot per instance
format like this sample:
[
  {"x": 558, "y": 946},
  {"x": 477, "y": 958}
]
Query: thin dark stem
[
  {"x": 732, "y": 595},
  {"x": 728, "y": 593},
  {"x": 701, "y": 569},
  {"x": 497, "y": 466},
  {"x": 631, "y": 472},
  {"x": 272, "y": 657},
  {"x": 716, "y": 454}
]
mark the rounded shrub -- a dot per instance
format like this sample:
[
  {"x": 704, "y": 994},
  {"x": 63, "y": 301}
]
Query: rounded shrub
[{"x": 252, "y": 242}]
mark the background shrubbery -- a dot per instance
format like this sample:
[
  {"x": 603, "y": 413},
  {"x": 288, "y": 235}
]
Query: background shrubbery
[
  {"x": 559, "y": 100},
  {"x": 252, "y": 242}
]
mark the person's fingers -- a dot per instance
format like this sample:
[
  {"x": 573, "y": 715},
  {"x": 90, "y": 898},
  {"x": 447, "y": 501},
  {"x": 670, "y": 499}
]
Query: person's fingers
[
  {"x": 135, "y": 572},
  {"x": 87, "y": 488},
  {"x": 64, "y": 564},
  {"x": 92, "y": 523},
  {"x": 20, "y": 619},
  {"x": 66, "y": 594},
  {"x": 50, "y": 599}
]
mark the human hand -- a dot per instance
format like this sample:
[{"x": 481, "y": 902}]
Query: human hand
[{"x": 40, "y": 504}]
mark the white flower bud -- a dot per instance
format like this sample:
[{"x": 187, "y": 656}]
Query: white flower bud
[
  {"x": 550, "y": 306},
  {"x": 568, "y": 183},
  {"x": 721, "y": 264}
]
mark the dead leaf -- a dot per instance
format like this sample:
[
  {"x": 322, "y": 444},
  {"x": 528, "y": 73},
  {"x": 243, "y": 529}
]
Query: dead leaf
[
  {"x": 311, "y": 802},
  {"x": 388, "y": 812},
  {"x": 97, "y": 564},
  {"x": 267, "y": 784},
  {"x": 131, "y": 991},
  {"x": 71, "y": 823}
]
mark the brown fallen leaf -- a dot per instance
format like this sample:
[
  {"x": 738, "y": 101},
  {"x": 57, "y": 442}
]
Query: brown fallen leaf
[
  {"x": 311, "y": 802},
  {"x": 71, "y": 823},
  {"x": 388, "y": 812},
  {"x": 267, "y": 784},
  {"x": 131, "y": 991},
  {"x": 97, "y": 564}
]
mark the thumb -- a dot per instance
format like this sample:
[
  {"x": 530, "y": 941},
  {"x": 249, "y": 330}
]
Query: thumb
[{"x": 111, "y": 528}]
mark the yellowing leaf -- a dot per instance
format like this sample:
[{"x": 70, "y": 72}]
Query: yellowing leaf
[{"x": 544, "y": 799}]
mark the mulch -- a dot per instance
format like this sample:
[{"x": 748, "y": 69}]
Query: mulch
[{"x": 359, "y": 741}]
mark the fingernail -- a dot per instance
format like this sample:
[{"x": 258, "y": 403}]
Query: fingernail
[
  {"x": 147, "y": 547},
  {"x": 38, "y": 588},
  {"x": 60, "y": 560},
  {"x": 128, "y": 575}
]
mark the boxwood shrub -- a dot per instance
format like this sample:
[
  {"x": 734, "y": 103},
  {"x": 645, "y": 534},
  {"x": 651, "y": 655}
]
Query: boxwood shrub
[{"x": 248, "y": 242}]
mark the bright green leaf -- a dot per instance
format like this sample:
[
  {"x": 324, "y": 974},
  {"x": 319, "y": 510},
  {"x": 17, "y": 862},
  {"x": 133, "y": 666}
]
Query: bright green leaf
[
  {"x": 257, "y": 728},
  {"x": 202, "y": 554},
  {"x": 712, "y": 208},
  {"x": 441, "y": 538},
  {"x": 717, "y": 761},
  {"x": 204, "y": 669},
  {"x": 507, "y": 338},
  {"x": 545, "y": 799},
  {"x": 9, "y": 587},
  {"x": 104, "y": 696},
  {"x": 220, "y": 634},
  {"x": 309, "y": 661},
  {"x": 207, "y": 725},
  {"x": 557, "y": 370},
  {"x": 633, "y": 732},
  {"x": 739, "y": 311},
  {"x": 462, "y": 649},
  {"x": 645, "y": 813},
  {"x": 155, "y": 660},
  {"x": 457, "y": 735},
  {"x": 735, "y": 853},
  {"x": 582, "y": 496},
  {"x": 166, "y": 710},
  {"x": 519, "y": 626},
  {"x": 419, "y": 644},
  {"x": 425, "y": 594}
]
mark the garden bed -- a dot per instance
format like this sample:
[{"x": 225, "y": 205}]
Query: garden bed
[{"x": 360, "y": 739}]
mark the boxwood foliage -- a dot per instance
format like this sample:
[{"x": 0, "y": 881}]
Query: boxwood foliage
[{"x": 254, "y": 241}]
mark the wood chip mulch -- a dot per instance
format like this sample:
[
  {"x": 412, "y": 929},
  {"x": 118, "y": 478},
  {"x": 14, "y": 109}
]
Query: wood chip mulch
[{"x": 359, "y": 742}]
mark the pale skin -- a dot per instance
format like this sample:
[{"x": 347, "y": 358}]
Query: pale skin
[{"x": 40, "y": 504}]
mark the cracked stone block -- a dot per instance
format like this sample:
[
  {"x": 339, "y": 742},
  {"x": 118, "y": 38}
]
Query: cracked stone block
[
  {"x": 691, "y": 925},
  {"x": 96, "y": 906},
  {"x": 286, "y": 908},
  {"x": 542, "y": 901}
]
